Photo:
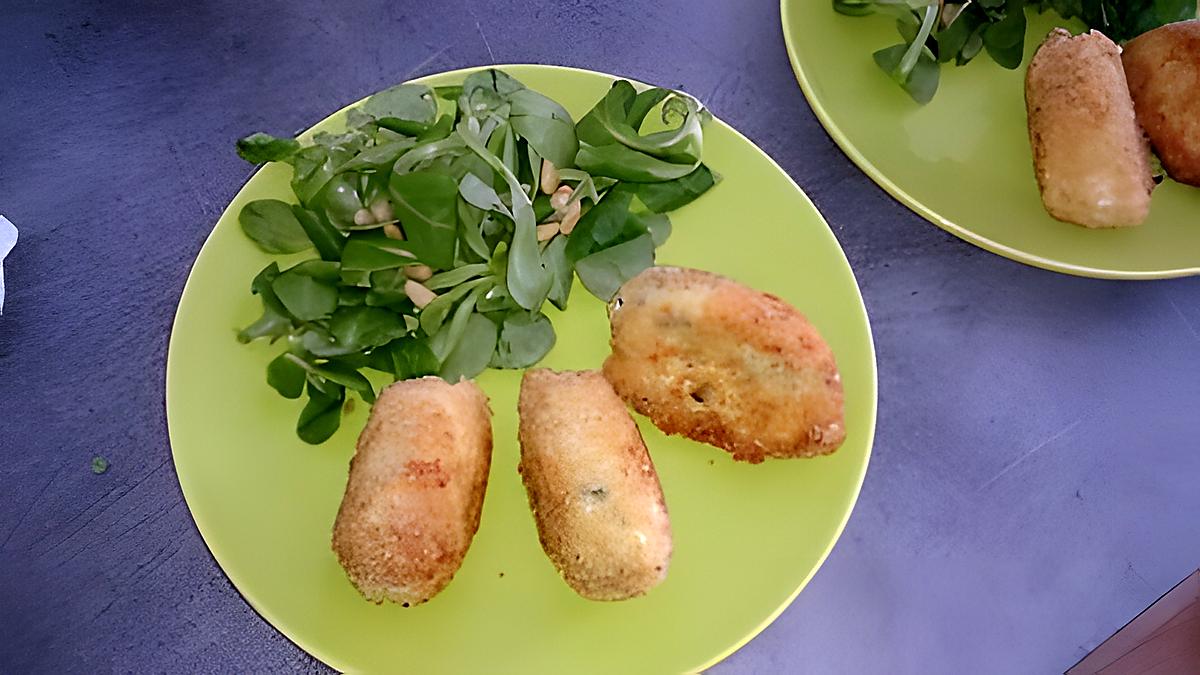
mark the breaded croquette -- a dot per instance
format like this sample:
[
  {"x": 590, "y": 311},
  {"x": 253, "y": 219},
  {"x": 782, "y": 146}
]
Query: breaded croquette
[
  {"x": 1163, "y": 68},
  {"x": 1089, "y": 155},
  {"x": 415, "y": 491},
  {"x": 593, "y": 489},
  {"x": 721, "y": 363}
]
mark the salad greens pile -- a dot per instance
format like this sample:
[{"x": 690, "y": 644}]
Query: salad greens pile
[
  {"x": 442, "y": 229},
  {"x": 939, "y": 31}
]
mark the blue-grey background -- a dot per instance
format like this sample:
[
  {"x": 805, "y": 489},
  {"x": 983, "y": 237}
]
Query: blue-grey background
[{"x": 1034, "y": 481}]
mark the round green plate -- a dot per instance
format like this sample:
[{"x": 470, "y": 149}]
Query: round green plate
[
  {"x": 963, "y": 161},
  {"x": 747, "y": 538}
]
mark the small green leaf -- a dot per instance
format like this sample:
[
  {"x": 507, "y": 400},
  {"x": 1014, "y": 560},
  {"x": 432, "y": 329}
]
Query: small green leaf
[
  {"x": 275, "y": 321},
  {"x": 271, "y": 325},
  {"x": 425, "y": 154},
  {"x": 319, "y": 342},
  {"x": 603, "y": 273},
  {"x": 322, "y": 415},
  {"x": 405, "y": 108},
  {"x": 314, "y": 166},
  {"x": 456, "y": 276},
  {"x": 481, "y": 195},
  {"x": 485, "y": 91},
  {"x": 444, "y": 341},
  {"x": 674, "y": 194},
  {"x": 951, "y": 39},
  {"x": 387, "y": 287},
  {"x": 305, "y": 297},
  {"x": 642, "y": 104},
  {"x": 328, "y": 240},
  {"x": 622, "y": 163},
  {"x": 469, "y": 220},
  {"x": 1005, "y": 39},
  {"x": 352, "y": 296},
  {"x": 363, "y": 327},
  {"x": 605, "y": 224},
  {"x": 473, "y": 352},
  {"x": 411, "y": 357},
  {"x": 340, "y": 200},
  {"x": 426, "y": 205},
  {"x": 259, "y": 147},
  {"x": 524, "y": 339},
  {"x": 285, "y": 376},
  {"x": 972, "y": 46},
  {"x": 371, "y": 252},
  {"x": 495, "y": 299},
  {"x": 657, "y": 225},
  {"x": 438, "y": 131},
  {"x": 611, "y": 146},
  {"x": 436, "y": 311},
  {"x": 378, "y": 158},
  {"x": 272, "y": 225},
  {"x": 321, "y": 270},
  {"x": 347, "y": 377},
  {"x": 921, "y": 83},
  {"x": 562, "y": 271},
  {"x": 545, "y": 125}
]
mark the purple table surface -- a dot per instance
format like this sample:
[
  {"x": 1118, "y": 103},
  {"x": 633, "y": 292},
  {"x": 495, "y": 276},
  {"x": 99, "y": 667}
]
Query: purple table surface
[{"x": 1035, "y": 476}]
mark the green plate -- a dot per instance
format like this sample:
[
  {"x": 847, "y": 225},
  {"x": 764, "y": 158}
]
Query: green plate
[
  {"x": 963, "y": 161},
  {"x": 747, "y": 538}
]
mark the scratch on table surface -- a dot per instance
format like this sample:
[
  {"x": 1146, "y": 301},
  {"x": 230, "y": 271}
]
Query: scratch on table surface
[
  {"x": 160, "y": 562},
  {"x": 724, "y": 79},
  {"x": 204, "y": 203},
  {"x": 479, "y": 28},
  {"x": 106, "y": 608},
  {"x": 1013, "y": 464},
  {"x": 100, "y": 512},
  {"x": 415, "y": 71},
  {"x": 1182, "y": 316},
  {"x": 1139, "y": 577},
  {"x": 491, "y": 55},
  {"x": 96, "y": 501},
  {"x": 29, "y": 509},
  {"x": 152, "y": 515}
]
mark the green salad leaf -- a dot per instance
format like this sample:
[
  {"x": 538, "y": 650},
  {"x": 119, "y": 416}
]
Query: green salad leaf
[
  {"x": 260, "y": 147},
  {"x": 941, "y": 31},
  {"x": 272, "y": 225},
  {"x": 424, "y": 214}
]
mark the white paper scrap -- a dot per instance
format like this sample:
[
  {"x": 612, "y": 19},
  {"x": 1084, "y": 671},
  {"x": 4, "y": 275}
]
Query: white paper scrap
[{"x": 8, "y": 239}]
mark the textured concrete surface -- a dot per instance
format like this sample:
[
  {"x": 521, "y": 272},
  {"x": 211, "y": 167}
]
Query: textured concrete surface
[{"x": 1034, "y": 483}]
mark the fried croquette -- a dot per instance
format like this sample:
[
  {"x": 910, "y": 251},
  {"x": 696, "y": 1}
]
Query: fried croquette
[
  {"x": 1089, "y": 155},
  {"x": 721, "y": 363},
  {"x": 415, "y": 490},
  {"x": 1163, "y": 68},
  {"x": 592, "y": 487}
]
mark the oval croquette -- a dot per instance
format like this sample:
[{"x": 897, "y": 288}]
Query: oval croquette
[{"x": 415, "y": 491}]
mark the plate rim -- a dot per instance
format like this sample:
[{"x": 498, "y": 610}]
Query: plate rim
[
  {"x": 915, "y": 205},
  {"x": 872, "y": 414}
]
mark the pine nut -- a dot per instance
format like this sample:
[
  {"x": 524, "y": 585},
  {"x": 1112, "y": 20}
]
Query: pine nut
[
  {"x": 364, "y": 217},
  {"x": 382, "y": 210},
  {"x": 419, "y": 295},
  {"x": 560, "y": 197},
  {"x": 550, "y": 179},
  {"x": 571, "y": 218},
  {"x": 418, "y": 272}
]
